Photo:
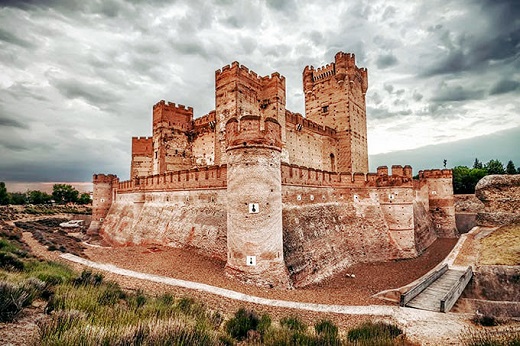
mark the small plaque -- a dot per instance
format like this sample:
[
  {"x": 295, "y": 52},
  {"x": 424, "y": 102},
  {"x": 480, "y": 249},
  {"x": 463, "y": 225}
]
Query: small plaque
[
  {"x": 251, "y": 260},
  {"x": 253, "y": 208}
]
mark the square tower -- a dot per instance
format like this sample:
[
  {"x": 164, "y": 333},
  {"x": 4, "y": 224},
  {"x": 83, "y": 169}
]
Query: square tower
[{"x": 335, "y": 97}]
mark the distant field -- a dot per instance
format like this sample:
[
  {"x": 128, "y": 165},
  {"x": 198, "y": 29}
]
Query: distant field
[
  {"x": 502, "y": 247},
  {"x": 45, "y": 186}
]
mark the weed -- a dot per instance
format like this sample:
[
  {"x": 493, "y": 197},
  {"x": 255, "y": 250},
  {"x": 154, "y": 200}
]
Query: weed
[
  {"x": 243, "y": 321},
  {"x": 13, "y": 298},
  {"x": 10, "y": 262},
  {"x": 486, "y": 337},
  {"x": 374, "y": 331},
  {"x": 293, "y": 323}
]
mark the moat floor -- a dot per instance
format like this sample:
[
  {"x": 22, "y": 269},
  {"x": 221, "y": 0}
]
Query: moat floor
[{"x": 340, "y": 289}]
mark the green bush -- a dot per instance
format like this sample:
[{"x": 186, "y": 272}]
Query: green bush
[
  {"x": 111, "y": 293},
  {"x": 374, "y": 331},
  {"x": 10, "y": 262},
  {"x": 243, "y": 321},
  {"x": 87, "y": 278},
  {"x": 13, "y": 298},
  {"x": 293, "y": 323},
  {"x": 326, "y": 329}
]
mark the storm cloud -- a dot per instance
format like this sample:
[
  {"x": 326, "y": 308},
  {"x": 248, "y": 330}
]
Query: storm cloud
[{"x": 79, "y": 78}]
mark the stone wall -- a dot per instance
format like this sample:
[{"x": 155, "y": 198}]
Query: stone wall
[
  {"x": 194, "y": 218},
  {"x": 328, "y": 229},
  {"x": 500, "y": 195}
]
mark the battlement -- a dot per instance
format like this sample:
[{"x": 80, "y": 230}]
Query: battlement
[
  {"x": 436, "y": 173},
  {"x": 142, "y": 146},
  {"x": 298, "y": 119},
  {"x": 305, "y": 176},
  {"x": 172, "y": 115},
  {"x": 105, "y": 178},
  {"x": 192, "y": 179},
  {"x": 344, "y": 66},
  {"x": 172, "y": 106},
  {"x": 247, "y": 132},
  {"x": 237, "y": 70}
]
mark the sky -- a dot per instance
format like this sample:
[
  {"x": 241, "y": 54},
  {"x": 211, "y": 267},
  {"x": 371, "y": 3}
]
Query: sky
[{"x": 79, "y": 78}]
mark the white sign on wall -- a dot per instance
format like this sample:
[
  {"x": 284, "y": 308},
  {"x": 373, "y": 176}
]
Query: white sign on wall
[
  {"x": 251, "y": 260},
  {"x": 253, "y": 208}
]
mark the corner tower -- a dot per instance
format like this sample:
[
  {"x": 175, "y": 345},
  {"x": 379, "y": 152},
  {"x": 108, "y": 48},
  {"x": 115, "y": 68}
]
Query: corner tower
[
  {"x": 335, "y": 97},
  {"x": 254, "y": 202},
  {"x": 241, "y": 92},
  {"x": 103, "y": 195}
]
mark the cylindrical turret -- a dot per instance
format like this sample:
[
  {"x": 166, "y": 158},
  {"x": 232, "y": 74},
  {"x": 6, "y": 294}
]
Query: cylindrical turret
[
  {"x": 254, "y": 201},
  {"x": 103, "y": 192}
]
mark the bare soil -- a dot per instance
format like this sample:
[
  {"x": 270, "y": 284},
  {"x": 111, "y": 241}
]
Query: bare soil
[{"x": 342, "y": 288}]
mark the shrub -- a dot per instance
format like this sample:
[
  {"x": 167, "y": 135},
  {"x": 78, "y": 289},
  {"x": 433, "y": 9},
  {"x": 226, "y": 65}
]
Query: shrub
[
  {"x": 374, "y": 331},
  {"x": 485, "y": 320},
  {"x": 10, "y": 262},
  {"x": 243, "y": 321},
  {"x": 293, "y": 323},
  {"x": 327, "y": 329},
  {"x": 13, "y": 298},
  {"x": 87, "y": 278},
  {"x": 111, "y": 294}
]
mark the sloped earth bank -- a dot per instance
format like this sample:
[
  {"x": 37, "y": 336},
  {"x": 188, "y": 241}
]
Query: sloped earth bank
[{"x": 424, "y": 327}]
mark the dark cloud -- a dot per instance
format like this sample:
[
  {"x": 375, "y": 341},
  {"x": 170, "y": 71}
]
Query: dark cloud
[
  {"x": 10, "y": 122},
  {"x": 95, "y": 94},
  {"x": 9, "y": 37},
  {"x": 456, "y": 94},
  {"x": 504, "y": 86},
  {"x": 383, "y": 113},
  {"x": 386, "y": 60},
  {"x": 469, "y": 50}
]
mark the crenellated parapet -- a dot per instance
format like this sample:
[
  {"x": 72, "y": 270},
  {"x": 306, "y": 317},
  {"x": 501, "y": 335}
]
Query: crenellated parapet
[
  {"x": 436, "y": 174},
  {"x": 251, "y": 131},
  {"x": 142, "y": 146},
  {"x": 305, "y": 176},
  {"x": 171, "y": 115},
  {"x": 105, "y": 178},
  {"x": 205, "y": 123}
]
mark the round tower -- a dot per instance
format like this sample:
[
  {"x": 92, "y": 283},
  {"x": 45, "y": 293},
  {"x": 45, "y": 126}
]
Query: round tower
[
  {"x": 254, "y": 201},
  {"x": 103, "y": 185}
]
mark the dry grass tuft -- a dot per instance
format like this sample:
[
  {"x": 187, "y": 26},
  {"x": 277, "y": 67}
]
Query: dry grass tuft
[{"x": 502, "y": 247}]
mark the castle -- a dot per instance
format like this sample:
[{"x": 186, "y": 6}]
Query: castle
[{"x": 285, "y": 200}]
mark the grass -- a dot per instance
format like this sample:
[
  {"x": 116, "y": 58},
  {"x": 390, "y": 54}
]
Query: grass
[
  {"x": 501, "y": 247},
  {"x": 486, "y": 337},
  {"x": 85, "y": 309}
]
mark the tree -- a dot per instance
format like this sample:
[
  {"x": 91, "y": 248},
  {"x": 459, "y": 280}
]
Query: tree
[
  {"x": 495, "y": 167},
  {"x": 4, "y": 197},
  {"x": 84, "y": 198},
  {"x": 38, "y": 197},
  {"x": 477, "y": 164},
  {"x": 465, "y": 179},
  {"x": 445, "y": 162},
  {"x": 510, "y": 168},
  {"x": 17, "y": 198},
  {"x": 63, "y": 193}
]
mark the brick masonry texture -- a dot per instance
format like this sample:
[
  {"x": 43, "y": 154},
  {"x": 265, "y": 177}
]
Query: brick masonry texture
[{"x": 285, "y": 199}]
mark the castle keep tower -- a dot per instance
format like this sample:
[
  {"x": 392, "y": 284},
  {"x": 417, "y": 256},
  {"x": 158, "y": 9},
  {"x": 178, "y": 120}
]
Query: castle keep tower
[
  {"x": 171, "y": 125},
  {"x": 335, "y": 97},
  {"x": 254, "y": 202},
  {"x": 239, "y": 92}
]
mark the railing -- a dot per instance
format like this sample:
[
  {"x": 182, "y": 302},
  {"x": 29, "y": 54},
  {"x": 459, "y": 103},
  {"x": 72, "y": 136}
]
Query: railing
[
  {"x": 454, "y": 293},
  {"x": 421, "y": 286}
]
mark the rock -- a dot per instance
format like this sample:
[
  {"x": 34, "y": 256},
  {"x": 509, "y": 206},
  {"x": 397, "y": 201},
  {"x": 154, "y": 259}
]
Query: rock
[{"x": 500, "y": 195}]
